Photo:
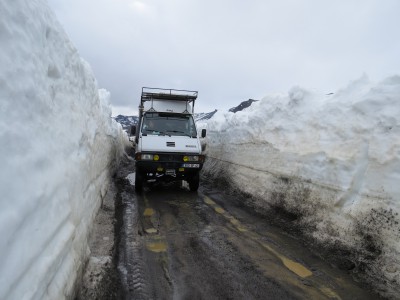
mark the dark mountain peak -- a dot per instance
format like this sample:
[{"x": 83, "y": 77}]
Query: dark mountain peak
[
  {"x": 242, "y": 105},
  {"x": 204, "y": 116},
  {"x": 128, "y": 121}
]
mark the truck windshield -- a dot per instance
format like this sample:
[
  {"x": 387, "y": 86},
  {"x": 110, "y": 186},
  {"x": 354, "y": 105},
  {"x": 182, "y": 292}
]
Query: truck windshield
[{"x": 168, "y": 124}]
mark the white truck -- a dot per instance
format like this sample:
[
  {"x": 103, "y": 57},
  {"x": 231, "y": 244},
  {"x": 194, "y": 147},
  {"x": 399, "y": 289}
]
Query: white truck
[{"x": 167, "y": 143}]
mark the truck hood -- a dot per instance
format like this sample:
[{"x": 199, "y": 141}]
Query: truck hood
[{"x": 184, "y": 144}]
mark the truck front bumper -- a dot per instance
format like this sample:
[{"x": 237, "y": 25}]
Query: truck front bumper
[{"x": 169, "y": 167}]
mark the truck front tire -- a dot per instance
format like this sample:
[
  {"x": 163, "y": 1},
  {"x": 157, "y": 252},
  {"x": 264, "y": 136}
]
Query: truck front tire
[
  {"x": 194, "y": 183},
  {"x": 138, "y": 182}
]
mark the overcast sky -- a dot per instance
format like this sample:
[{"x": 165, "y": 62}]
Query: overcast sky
[{"x": 231, "y": 50}]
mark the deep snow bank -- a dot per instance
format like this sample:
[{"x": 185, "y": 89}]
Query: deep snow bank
[
  {"x": 333, "y": 162},
  {"x": 58, "y": 145}
]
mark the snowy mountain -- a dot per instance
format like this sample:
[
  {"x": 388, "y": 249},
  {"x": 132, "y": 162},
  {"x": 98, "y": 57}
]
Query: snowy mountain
[
  {"x": 126, "y": 121},
  {"x": 204, "y": 116},
  {"x": 242, "y": 105}
]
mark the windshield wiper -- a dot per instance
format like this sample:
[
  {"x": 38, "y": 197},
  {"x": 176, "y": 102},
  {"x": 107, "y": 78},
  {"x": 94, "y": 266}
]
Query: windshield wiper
[
  {"x": 154, "y": 132},
  {"x": 164, "y": 133},
  {"x": 178, "y": 131}
]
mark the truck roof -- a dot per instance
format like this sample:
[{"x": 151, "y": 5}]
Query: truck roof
[{"x": 159, "y": 94}]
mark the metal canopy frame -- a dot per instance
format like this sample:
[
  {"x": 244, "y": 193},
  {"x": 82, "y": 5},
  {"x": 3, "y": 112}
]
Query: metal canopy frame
[{"x": 149, "y": 94}]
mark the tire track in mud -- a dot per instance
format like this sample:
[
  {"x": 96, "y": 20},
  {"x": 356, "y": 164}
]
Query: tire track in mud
[
  {"x": 133, "y": 278},
  {"x": 196, "y": 260}
]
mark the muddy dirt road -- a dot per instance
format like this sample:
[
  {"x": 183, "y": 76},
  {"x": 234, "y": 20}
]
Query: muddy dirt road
[{"x": 176, "y": 244}]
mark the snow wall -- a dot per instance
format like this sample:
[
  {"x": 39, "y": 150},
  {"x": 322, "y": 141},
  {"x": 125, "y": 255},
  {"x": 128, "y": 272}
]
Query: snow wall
[
  {"x": 58, "y": 146},
  {"x": 331, "y": 161}
]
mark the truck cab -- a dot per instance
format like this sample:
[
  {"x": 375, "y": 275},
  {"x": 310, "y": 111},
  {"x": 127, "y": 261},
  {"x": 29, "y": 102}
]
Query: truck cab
[{"x": 167, "y": 142}]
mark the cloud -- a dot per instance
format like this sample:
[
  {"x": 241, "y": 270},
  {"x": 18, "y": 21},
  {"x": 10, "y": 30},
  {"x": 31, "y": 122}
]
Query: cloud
[
  {"x": 138, "y": 6},
  {"x": 231, "y": 50}
]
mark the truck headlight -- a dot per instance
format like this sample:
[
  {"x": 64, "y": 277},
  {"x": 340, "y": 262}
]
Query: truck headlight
[
  {"x": 191, "y": 158},
  {"x": 147, "y": 156}
]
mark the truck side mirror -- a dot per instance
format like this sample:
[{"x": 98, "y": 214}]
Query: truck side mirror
[
  {"x": 133, "y": 130},
  {"x": 203, "y": 133}
]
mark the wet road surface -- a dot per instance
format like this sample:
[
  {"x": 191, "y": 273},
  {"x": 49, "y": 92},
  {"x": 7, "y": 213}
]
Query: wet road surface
[{"x": 176, "y": 244}]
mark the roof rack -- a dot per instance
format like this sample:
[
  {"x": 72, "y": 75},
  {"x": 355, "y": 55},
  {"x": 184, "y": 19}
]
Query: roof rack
[
  {"x": 149, "y": 94},
  {"x": 168, "y": 94}
]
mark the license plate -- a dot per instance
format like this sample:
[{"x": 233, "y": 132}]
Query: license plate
[
  {"x": 191, "y": 165},
  {"x": 170, "y": 172}
]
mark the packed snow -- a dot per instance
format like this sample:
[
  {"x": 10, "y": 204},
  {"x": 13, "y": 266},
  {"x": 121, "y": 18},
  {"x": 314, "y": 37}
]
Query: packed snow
[
  {"x": 59, "y": 146},
  {"x": 333, "y": 161}
]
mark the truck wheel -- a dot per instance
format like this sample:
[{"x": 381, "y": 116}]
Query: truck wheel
[
  {"x": 194, "y": 183},
  {"x": 138, "y": 182}
]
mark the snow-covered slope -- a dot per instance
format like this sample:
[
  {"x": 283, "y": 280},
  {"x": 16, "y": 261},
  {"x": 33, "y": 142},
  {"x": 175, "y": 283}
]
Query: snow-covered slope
[
  {"x": 331, "y": 161},
  {"x": 58, "y": 147}
]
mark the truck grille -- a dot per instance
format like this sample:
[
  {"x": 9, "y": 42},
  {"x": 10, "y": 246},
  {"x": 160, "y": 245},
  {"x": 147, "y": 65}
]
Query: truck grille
[{"x": 170, "y": 157}]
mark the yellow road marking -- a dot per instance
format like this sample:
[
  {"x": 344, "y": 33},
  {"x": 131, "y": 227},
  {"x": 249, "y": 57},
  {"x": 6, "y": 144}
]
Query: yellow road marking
[
  {"x": 234, "y": 221},
  {"x": 219, "y": 210},
  {"x": 296, "y": 268},
  {"x": 157, "y": 247},
  {"x": 156, "y": 243},
  {"x": 293, "y": 266},
  {"x": 329, "y": 293},
  {"x": 209, "y": 201},
  {"x": 151, "y": 230},
  {"x": 148, "y": 212},
  {"x": 241, "y": 229}
]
